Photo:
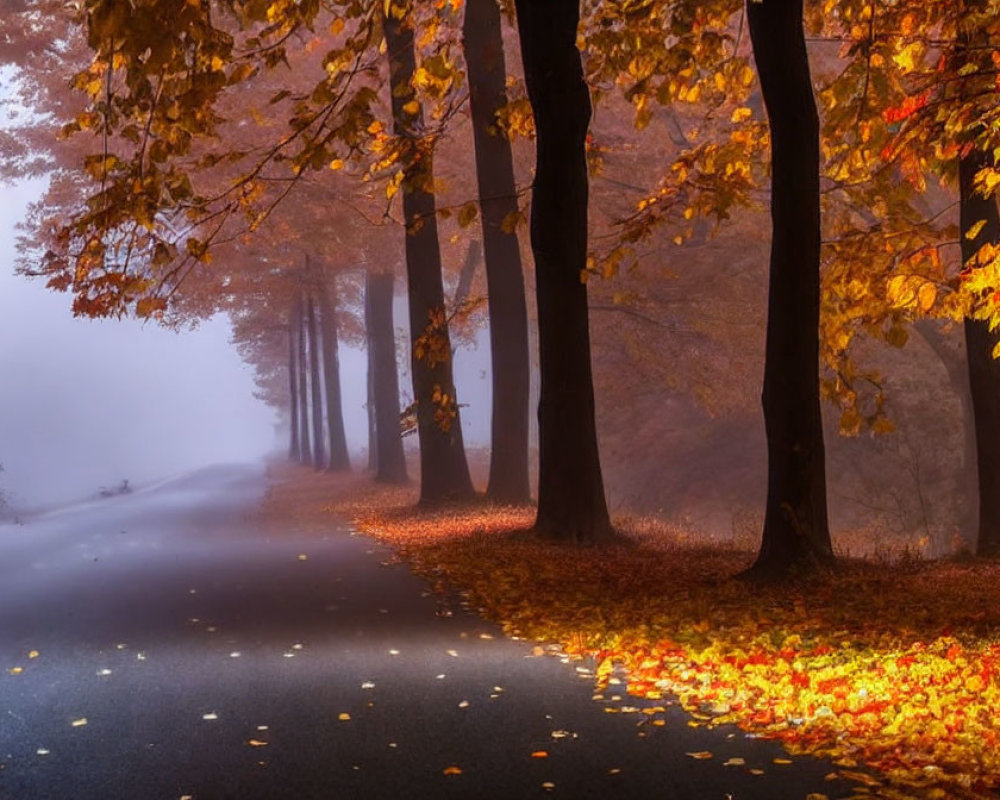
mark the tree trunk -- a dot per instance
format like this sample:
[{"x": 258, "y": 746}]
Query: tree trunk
[
  {"x": 956, "y": 364},
  {"x": 571, "y": 502},
  {"x": 484, "y": 56},
  {"x": 370, "y": 379},
  {"x": 984, "y": 370},
  {"x": 389, "y": 458},
  {"x": 796, "y": 534},
  {"x": 327, "y": 298},
  {"x": 444, "y": 472},
  {"x": 305, "y": 451},
  {"x": 319, "y": 455},
  {"x": 293, "y": 391}
]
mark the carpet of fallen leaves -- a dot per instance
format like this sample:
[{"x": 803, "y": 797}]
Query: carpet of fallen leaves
[{"x": 893, "y": 666}]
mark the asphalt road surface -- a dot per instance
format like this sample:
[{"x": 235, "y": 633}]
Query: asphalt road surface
[{"x": 163, "y": 645}]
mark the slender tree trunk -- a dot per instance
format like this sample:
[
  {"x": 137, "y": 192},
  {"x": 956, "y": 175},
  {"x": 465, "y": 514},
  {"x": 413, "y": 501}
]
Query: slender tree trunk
[
  {"x": 390, "y": 460},
  {"x": 293, "y": 392},
  {"x": 571, "y": 502},
  {"x": 370, "y": 404},
  {"x": 327, "y": 298},
  {"x": 984, "y": 370},
  {"x": 484, "y": 56},
  {"x": 319, "y": 454},
  {"x": 467, "y": 273},
  {"x": 444, "y": 472},
  {"x": 305, "y": 451},
  {"x": 956, "y": 364},
  {"x": 796, "y": 534}
]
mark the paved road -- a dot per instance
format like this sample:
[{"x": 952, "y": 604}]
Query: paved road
[{"x": 164, "y": 645}]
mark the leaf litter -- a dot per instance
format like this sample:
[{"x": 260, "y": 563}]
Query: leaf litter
[{"x": 891, "y": 668}]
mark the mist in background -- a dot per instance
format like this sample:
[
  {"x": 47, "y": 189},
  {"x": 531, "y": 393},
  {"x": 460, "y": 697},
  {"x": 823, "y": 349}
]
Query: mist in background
[{"x": 88, "y": 403}]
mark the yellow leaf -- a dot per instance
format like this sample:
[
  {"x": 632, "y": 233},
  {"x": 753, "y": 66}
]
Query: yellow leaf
[
  {"x": 782, "y": 761},
  {"x": 452, "y": 770},
  {"x": 336, "y": 26},
  {"x": 343, "y": 716},
  {"x": 256, "y": 743},
  {"x": 337, "y": 163},
  {"x": 926, "y": 296},
  {"x": 33, "y": 654},
  {"x": 740, "y": 114},
  {"x": 974, "y": 229},
  {"x": 701, "y": 754},
  {"x": 413, "y": 107},
  {"x": 540, "y": 754}
]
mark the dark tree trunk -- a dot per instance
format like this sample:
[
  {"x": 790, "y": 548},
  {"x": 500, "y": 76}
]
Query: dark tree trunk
[
  {"x": 444, "y": 472},
  {"x": 796, "y": 534},
  {"x": 293, "y": 391},
  {"x": 487, "y": 69},
  {"x": 389, "y": 458},
  {"x": 571, "y": 502},
  {"x": 327, "y": 298},
  {"x": 370, "y": 379},
  {"x": 305, "y": 451},
  {"x": 319, "y": 455},
  {"x": 984, "y": 370}
]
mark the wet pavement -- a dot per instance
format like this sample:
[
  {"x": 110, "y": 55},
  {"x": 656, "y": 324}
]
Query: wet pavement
[{"x": 166, "y": 644}]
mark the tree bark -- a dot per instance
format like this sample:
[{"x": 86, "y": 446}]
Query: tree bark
[
  {"x": 319, "y": 454},
  {"x": 389, "y": 459},
  {"x": 487, "y": 71},
  {"x": 293, "y": 392},
  {"x": 571, "y": 501},
  {"x": 305, "y": 450},
  {"x": 984, "y": 370},
  {"x": 796, "y": 534},
  {"x": 327, "y": 298},
  {"x": 444, "y": 471}
]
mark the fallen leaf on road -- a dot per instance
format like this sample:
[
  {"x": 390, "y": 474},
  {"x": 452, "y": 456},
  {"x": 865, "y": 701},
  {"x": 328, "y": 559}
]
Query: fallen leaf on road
[
  {"x": 33, "y": 654},
  {"x": 540, "y": 754},
  {"x": 368, "y": 685},
  {"x": 103, "y": 672},
  {"x": 256, "y": 743},
  {"x": 210, "y": 715},
  {"x": 77, "y": 723},
  {"x": 701, "y": 754},
  {"x": 782, "y": 761},
  {"x": 16, "y": 670},
  {"x": 343, "y": 716},
  {"x": 734, "y": 762},
  {"x": 452, "y": 770},
  {"x": 464, "y": 704},
  {"x": 453, "y": 653},
  {"x": 548, "y": 786}
]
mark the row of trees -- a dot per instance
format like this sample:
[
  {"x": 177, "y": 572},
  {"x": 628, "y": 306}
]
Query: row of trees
[{"x": 188, "y": 169}]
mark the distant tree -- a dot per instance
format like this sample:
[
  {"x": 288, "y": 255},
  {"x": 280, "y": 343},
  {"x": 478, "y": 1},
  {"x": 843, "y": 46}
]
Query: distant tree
[
  {"x": 390, "y": 462},
  {"x": 482, "y": 44},
  {"x": 796, "y": 534},
  {"x": 326, "y": 298},
  {"x": 571, "y": 501}
]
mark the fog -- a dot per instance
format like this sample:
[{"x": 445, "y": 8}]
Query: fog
[
  {"x": 85, "y": 404},
  {"x": 88, "y": 403}
]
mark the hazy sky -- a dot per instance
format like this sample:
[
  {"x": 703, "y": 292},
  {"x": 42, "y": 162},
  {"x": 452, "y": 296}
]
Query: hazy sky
[{"x": 86, "y": 403}]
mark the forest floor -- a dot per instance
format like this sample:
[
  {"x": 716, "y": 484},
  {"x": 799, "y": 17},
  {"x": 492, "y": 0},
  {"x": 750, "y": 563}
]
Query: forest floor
[{"x": 889, "y": 667}]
